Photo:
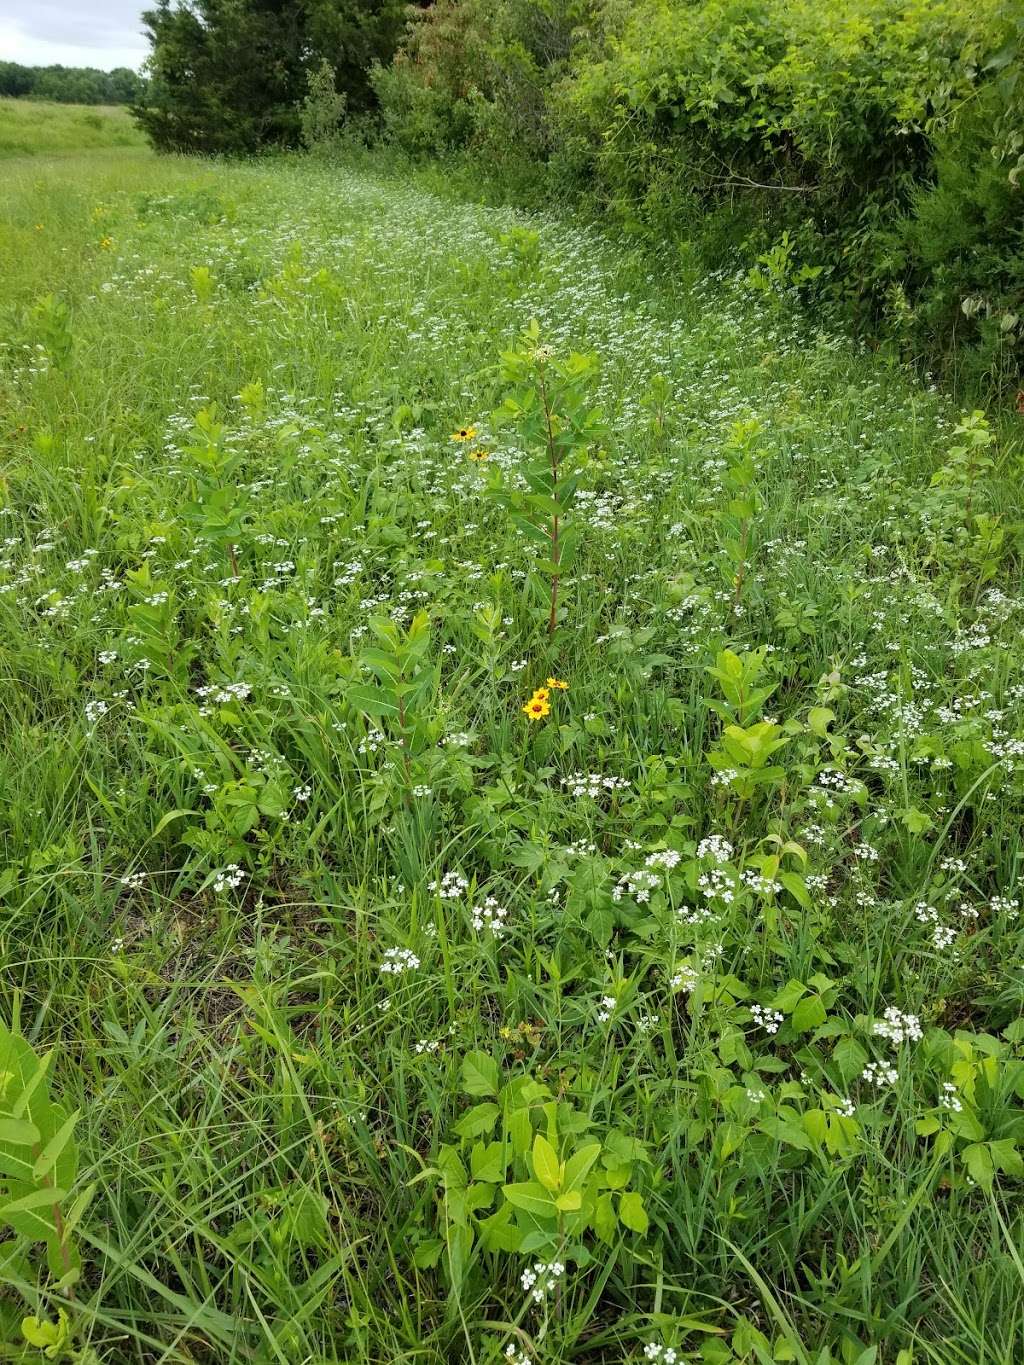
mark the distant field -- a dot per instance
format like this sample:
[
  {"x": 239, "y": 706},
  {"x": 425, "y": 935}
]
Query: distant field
[{"x": 29, "y": 127}]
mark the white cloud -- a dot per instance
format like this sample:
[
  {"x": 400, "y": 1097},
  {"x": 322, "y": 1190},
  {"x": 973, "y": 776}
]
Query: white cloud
[{"x": 101, "y": 33}]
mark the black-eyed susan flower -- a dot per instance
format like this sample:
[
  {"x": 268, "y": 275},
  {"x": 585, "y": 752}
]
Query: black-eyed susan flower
[
  {"x": 479, "y": 455},
  {"x": 537, "y": 708},
  {"x": 558, "y": 684},
  {"x": 464, "y": 434},
  {"x": 541, "y": 693}
]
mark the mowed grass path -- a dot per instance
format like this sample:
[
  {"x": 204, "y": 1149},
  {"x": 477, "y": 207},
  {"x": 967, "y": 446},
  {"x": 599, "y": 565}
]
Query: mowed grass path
[{"x": 318, "y": 977}]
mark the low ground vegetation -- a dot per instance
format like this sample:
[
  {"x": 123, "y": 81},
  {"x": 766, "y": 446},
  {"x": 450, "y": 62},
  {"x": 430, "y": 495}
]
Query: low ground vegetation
[{"x": 513, "y": 764}]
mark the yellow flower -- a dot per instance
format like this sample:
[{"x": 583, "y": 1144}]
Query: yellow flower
[
  {"x": 537, "y": 708},
  {"x": 464, "y": 434},
  {"x": 106, "y": 243},
  {"x": 541, "y": 694},
  {"x": 558, "y": 684},
  {"x": 479, "y": 455},
  {"x": 39, "y": 227}
]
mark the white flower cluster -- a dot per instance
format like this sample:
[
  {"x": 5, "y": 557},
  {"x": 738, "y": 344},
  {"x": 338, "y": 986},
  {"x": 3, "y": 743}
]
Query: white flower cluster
[
  {"x": 542, "y": 1279},
  {"x": 450, "y": 886},
  {"x": 769, "y": 1020},
  {"x": 897, "y": 1027},
  {"x": 943, "y": 936},
  {"x": 593, "y": 784},
  {"x": 949, "y": 1099},
  {"x": 716, "y": 847},
  {"x": 224, "y": 693},
  {"x": 491, "y": 916},
  {"x": 661, "y": 1355},
  {"x": 880, "y": 1074},
  {"x": 228, "y": 878},
  {"x": 666, "y": 858},
  {"x": 684, "y": 979},
  {"x": 637, "y": 884},
  {"x": 399, "y": 960}
]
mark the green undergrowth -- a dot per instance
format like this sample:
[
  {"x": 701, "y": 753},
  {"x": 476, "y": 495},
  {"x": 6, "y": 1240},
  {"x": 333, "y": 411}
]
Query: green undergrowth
[{"x": 512, "y": 767}]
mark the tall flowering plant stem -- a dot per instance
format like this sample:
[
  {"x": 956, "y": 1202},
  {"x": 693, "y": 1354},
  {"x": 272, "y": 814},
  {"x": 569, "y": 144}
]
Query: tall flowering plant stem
[{"x": 550, "y": 406}]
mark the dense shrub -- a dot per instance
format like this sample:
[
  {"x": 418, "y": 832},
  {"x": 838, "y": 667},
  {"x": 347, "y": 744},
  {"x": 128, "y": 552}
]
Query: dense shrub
[
  {"x": 478, "y": 73},
  {"x": 962, "y": 245},
  {"x": 872, "y": 140}
]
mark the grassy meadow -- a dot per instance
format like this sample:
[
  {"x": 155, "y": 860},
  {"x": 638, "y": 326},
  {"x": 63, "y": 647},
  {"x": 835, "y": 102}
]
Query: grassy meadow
[
  {"x": 513, "y": 763},
  {"x": 38, "y": 128}
]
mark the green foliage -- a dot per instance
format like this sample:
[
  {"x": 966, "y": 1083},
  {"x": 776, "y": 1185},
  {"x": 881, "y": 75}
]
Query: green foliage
[
  {"x": 355, "y": 976},
  {"x": 38, "y": 1163},
  {"x": 478, "y": 73},
  {"x": 70, "y": 84},
  {"x": 530, "y": 1175},
  {"x": 863, "y": 154},
  {"x": 322, "y": 113},
  {"x": 236, "y": 78},
  {"x": 551, "y": 408}
]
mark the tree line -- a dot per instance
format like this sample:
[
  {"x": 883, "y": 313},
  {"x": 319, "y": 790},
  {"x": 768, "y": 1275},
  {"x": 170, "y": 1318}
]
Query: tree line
[{"x": 70, "y": 84}]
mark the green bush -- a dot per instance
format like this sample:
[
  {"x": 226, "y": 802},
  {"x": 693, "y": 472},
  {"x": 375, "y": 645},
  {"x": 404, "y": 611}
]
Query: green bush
[
  {"x": 477, "y": 73},
  {"x": 875, "y": 145}
]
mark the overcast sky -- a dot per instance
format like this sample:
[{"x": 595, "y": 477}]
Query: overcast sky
[{"x": 103, "y": 33}]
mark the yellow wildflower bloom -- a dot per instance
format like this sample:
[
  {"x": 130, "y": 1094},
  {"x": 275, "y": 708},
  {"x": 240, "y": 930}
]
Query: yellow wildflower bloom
[
  {"x": 537, "y": 708},
  {"x": 558, "y": 684},
  {"x": 464, "y": 434}
]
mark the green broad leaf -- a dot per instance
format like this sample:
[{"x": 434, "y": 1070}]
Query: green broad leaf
[
  {"x": 531, "y": 1198},
  {"x": 632, "y": 1213},
  {"x": 37, "y": 1199},
  {"x": 569, "y": 1202},
  {"x": 374, "y": 701},
  {"x": 75, "y": 1213},
  {"x": 37, "y": 1078},
  {"x": 808, "y": 1014},
  {"x": 1005, "y": 1155},
  {"x": 789, "y": 996},
  {"x": 819, "y": 718},
  {"x": 815, "y": 1124},
  {"x": 46, "y": 1335},
  {"x": 19, "y": 1132},
  {"x": 498, "y": 1232},
  {"x": 519, "y": 1130},
  {"x": 487, "y": 1162},
  {"x": 428, "y": 1253},
  {"x": 539, "y": 534},
  {"x": 478, "y": 1120},
  {"x": 479, "y": 1074},
  {"x": 578, "y": 1166},
  {"x": 797, "y": 888},
  {"x": 546, "y": 1166},
  {"x": 788, "y": 1132},
  {"x": 849, "y": 1058},
  {"x": 48, "y": 1156},
  {"x": 605, "y": 1222},
  {"x": 978, "y": 1160}
]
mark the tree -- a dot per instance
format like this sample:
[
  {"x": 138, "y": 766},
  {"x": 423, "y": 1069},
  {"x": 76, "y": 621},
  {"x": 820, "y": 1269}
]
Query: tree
[
  {"x": 70, "y": 84},
  {"x": 229, "y": 75}
]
